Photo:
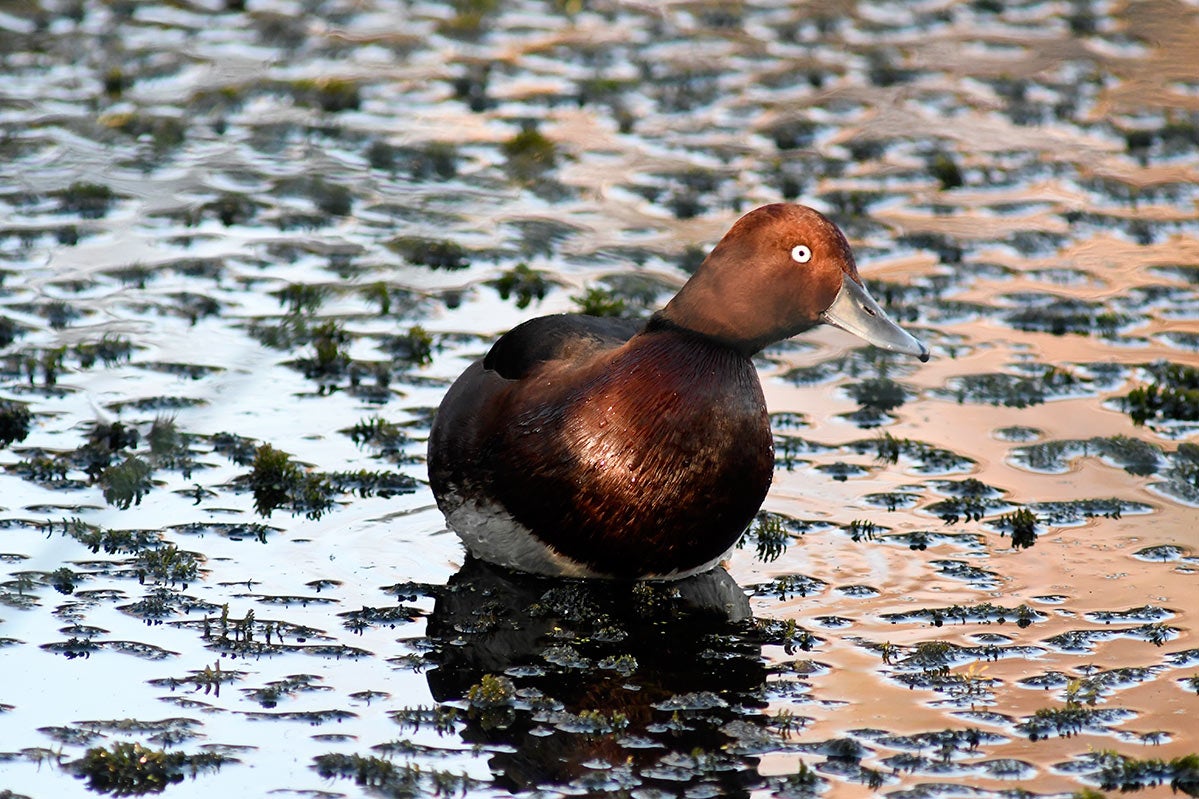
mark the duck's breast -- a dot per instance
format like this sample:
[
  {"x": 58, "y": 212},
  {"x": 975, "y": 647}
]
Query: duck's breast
[{"x": 649, "y": 461}]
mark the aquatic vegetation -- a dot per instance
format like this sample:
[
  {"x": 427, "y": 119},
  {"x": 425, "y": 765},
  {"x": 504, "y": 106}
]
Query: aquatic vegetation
[
  {"x": 126, "y": 483},
  {"x": 382, "y": 435},
  {"x": 1057, "y": 315},
  {"x": 414, "y": 347},
  {"x": 130, "y": 769},
  {"x": 433, "y": 253},
  {"x": 277, "y": 481},
  {"x": 15, "y": 419},
  {"x": 529, "y": 155},
  {"x": 389, "y": 778},
  {"x": 88, "y": 200},
  {"x": 983, "y": 613},
  {"x": 1172, "y": 396},
  {"x": 1133, "y": 455},
  {"x": 524, "y": 283},
  {"x": 329, "y": 94},
  {"x": 1022, "y": 525},
  {"x": 167, "y": 565},
  {"x": 769, "y": 536},
  {"x": 334, "y": 206},
  {"x": 1015, "y": 391},
  {"x": 1118, "y": 772},
  {"x": 599, "y": 301}
]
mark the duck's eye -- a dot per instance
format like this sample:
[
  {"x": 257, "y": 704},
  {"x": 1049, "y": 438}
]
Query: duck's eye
[{"x": 801, "y": 253}]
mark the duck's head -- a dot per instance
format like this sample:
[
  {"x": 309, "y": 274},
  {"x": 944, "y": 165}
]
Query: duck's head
[{"x": 780, "y": 270}]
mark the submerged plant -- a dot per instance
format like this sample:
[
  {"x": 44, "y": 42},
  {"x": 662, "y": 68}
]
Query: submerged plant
[
  {"x": 277, "y": 481},
  {"x": 130, "y": 769},
  {"x": 525, "y": 283},
  {"x": 126, "y": 483},
  {"x": 14, "y": 422},
  {"x": 1022, "y": 524}
]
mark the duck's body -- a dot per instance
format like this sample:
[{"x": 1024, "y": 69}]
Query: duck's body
[{"x": 592, "y": 447}]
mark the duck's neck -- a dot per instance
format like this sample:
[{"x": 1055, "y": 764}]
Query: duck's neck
[{"x": 711, "y": 334}]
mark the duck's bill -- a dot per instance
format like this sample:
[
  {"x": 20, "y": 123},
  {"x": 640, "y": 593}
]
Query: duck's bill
[{"x": 855, "y": 311}]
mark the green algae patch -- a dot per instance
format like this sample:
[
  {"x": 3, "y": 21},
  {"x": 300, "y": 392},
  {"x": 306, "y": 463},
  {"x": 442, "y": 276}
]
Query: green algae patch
[
  {"x": 530, "y": 154},
  {"x": 1016, "y": 391},
  {"x": 523, "y": 284},
  {"x": 1173, "y": 396},
  {"x": 15, "y": 421},
  {"x": 389, "y": 778},
  {"x": 600, "y": 301},
  {"x": 1118, "y": 772},
  {"x": 433, "y": 253},
  {"x": 277, "y": 481},
  {"x": 1135, "y": 456},
  {"x": 88, "y": 200},
  {"x": 131, "y": 769}
]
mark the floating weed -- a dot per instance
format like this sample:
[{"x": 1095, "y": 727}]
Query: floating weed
[
  {"x": 1173, "y": 396},
  {"x": 109, "y": 350},
  {"x": 331, "y": 359},
  {"x": 89, "y": 200},
  {"x": 167, "y": 565},
  {"x": 790, "y": 585},
  {"x": 433, "y": 253},
  {"x": 1076, "y": 511},
  {"x": 386, "y": 437},
  {"x": 789, "y": 448},
  {"x": 443, "y": 719},
  {"x": 769, "y": 536},
  {"x": 126, "y": 483},
  {"x": 524, "y": 283},
  {"x": 1022, "y": 524},
  {"x": 961, "y": 570},
  {"x": 599, "y": 301},
  {"x": 111, "y": 541},
  {"x": 1048, "y": 313},
  {"x": 983, "y": 613},
  {"x": 787, "y": 634},
  {"x": 277, "y": 481},
  {"x": 889, "y": 500},
  {"x": 1133, "y": 455},
  {"x": 1163, "y": 553},
  {"x": 387, "y": 778},
  {"x": 928, "y": 459},
  {"x": 944, "y": 168},
  {"x": 967, "y": 508},
  {"x": 863, "y": 530},
  {"x": 414, "y": 347},
  {"x": 15, "y": 420},
  {"x": 1117, "y": 772},
  {"x": 268, "y": 696},
  {"x": 1014, "y": 391},
  {"x": 530, "y": 154},
  {"x": 168, "y": 446},
  {"x": 1070, "y": 720},
  {"x": 209, "y": 679},
  {"x": 328, "y": 94},
  {"x": 433, "y": 160},
  {"x": 302, "y": 298},
  {"x": 359, "y": 621},
  {"x": 130, "y": 769}
]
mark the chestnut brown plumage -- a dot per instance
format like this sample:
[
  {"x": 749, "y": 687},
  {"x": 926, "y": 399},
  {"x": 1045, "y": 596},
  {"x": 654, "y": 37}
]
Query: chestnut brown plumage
[{"x": 596, "y": 447}]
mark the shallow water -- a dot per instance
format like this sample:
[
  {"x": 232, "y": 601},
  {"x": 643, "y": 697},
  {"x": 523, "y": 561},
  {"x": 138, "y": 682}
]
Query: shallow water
[{"x": 191, "y": 192}]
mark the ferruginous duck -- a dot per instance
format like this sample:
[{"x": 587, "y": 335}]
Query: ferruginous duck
[{"x": 583, "y": 446}]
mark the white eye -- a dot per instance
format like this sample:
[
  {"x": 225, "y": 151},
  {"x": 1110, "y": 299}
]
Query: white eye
[{"x": 801, "y": 253}]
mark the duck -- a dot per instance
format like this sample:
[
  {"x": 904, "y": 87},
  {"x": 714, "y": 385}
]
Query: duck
[{"x": 641, "y": 449}]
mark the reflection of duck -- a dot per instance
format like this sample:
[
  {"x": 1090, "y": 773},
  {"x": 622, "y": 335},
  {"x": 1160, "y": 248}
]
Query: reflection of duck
[
  {"x": 582, "y": 446},
  {"x": 603, "y": 684}
]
